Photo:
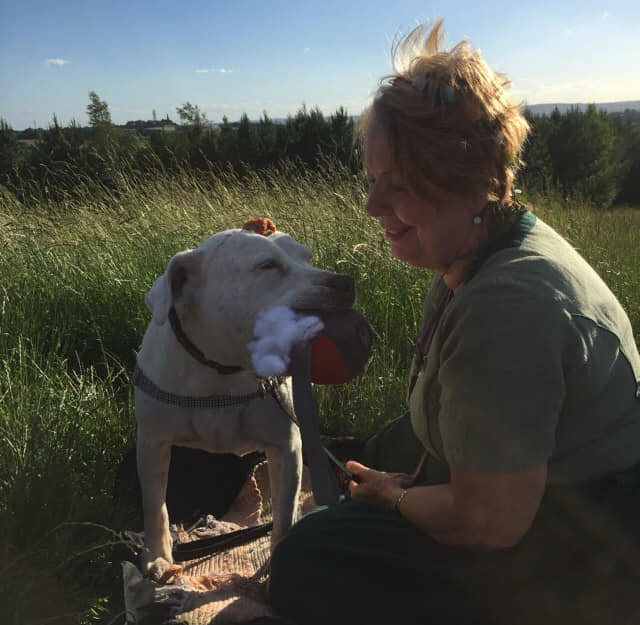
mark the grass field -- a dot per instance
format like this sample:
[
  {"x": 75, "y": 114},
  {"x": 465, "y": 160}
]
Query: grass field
[{"x": 72, "y": 315}]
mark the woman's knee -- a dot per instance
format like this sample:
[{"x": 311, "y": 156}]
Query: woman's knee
[
  {"x": 299, "y": 577},
  {"x": 297, "y": 554}
]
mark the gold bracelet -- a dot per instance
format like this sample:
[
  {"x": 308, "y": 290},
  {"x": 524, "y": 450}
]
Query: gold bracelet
[{"x": 401, "y": 496}]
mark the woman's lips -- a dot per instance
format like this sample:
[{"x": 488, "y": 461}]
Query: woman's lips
[{"x": 395, "y": 234}]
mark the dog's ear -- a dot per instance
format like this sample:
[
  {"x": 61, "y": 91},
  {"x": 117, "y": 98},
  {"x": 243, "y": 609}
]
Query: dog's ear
[{"x": 183, "y": 268}]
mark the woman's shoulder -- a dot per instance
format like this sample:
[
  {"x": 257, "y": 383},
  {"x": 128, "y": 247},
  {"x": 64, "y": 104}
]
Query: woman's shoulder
[
  {"x": 544, "y": 269},
  {"x": 548, "y": 287}
]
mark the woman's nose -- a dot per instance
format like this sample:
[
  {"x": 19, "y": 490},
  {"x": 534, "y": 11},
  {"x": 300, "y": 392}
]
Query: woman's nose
[{"x": 376, "y": 204}]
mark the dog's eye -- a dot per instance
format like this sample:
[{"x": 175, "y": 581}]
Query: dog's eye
[{"x": 268, "y": 264}]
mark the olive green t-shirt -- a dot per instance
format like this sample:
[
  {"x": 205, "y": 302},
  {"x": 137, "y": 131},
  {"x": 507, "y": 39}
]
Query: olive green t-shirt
[{"x": 533, "y": 360}]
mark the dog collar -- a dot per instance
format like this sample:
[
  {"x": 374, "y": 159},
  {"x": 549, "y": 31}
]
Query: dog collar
[
  {"x": 185, "y": 341},
  {"x": 140, "y": 380}
]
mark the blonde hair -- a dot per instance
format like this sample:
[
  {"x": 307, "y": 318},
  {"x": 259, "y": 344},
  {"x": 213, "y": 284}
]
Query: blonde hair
[{"x": 447, "y": 118}]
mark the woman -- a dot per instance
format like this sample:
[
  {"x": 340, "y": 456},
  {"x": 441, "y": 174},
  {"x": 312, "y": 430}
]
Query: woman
[{"x": 524, "y": 394}]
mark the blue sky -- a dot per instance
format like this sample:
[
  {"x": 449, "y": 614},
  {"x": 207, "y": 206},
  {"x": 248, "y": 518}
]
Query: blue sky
[{"x": 238, "y": 56}]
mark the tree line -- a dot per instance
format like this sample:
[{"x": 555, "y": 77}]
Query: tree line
[{"x": 588, "y": 155}]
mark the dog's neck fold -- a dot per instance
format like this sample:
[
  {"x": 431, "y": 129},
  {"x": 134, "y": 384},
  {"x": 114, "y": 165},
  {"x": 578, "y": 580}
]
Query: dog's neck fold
[
  {"x": 170, "y": 367},
  {"x": 194, "y": 351}
]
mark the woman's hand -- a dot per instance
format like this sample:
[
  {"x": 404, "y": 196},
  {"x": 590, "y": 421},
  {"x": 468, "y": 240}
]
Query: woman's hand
[
  {"x": 483, "y": 510},
  {"x": 379, "y": 486}
]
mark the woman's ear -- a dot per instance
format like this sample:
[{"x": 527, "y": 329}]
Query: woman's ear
[{"x": 183, "y": 269}]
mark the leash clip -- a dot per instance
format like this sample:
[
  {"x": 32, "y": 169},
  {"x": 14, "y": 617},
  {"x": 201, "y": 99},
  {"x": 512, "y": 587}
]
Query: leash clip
[{"x": 270, "y": 386}]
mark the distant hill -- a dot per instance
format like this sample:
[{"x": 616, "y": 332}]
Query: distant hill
[{"x": 610, "y": 107}]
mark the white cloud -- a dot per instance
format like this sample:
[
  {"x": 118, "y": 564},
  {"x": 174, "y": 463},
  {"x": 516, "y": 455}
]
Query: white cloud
[
  {"x": 605, "y": 15},
  {"x": 214, "y": 70},
  {"x": 307, "y": 49},
  {"x": 55, "y": 62},
  {"x": 568, "y": 31}
]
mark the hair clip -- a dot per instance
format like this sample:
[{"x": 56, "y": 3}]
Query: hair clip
[
  {"x": 447, "y": 95},
  {"x": 419, "y": 83}
]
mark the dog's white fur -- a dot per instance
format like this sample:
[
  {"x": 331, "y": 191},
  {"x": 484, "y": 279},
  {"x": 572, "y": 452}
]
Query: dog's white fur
[{"x": 218, "y": 290}]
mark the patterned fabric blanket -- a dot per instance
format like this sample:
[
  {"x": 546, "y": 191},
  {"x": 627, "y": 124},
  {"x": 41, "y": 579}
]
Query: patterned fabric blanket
[{"x": 227, "y": 587}]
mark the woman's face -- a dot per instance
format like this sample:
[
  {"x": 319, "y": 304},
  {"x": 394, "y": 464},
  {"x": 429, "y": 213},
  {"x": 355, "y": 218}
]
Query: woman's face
[{"x": 426, "y": 233}]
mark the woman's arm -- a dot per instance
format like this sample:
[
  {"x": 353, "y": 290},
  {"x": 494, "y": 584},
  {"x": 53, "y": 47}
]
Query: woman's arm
[{"x": 485, "y": 510}]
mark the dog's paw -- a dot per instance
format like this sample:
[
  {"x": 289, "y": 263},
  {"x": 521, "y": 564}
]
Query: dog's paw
[{"x": 161, "y": 571}]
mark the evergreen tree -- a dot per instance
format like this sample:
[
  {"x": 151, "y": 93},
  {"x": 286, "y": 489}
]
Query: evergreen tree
[
  {"x": 582, "y": 152},
  {"x": 627, "y": 152},
  {"x": 228, "y": 142},
  {"x": 267, "y": 142},
  {"x": 9, "y": 149},
  {"x": 247, "y": 141},
  {"x": 341, "y": 134},
  {"x": 537, "y": 173}
]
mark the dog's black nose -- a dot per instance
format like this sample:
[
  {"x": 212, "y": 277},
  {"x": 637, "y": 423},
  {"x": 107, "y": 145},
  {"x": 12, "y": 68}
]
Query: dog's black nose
[{"x": 343, "y": 283}]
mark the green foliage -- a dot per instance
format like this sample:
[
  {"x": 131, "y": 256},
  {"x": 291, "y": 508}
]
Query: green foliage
[
  {"x": 538, "y": 171},
  {"x": 90, "y": 217},
  {"x": 627, "y": 131},
  {"x": 191, "y": 114},
  {"x": 583, "y": 155},
  {"x": 11, "y": 156},
  {"x": 98, "y": 111},
  {"x": 66, "y": 162},
  {"x": 586, "y": 155},
  {"x": 247, "y": 140},
  {"x": 581, "y": 150},
  {"x": 72, "y": 315}
]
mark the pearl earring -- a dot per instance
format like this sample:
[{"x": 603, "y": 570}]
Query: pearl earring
[{"x": 477, "y": 220}]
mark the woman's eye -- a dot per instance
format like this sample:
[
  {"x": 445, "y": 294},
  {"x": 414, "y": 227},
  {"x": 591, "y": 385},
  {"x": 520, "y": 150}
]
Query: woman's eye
[{"x": 398, "y": 188}]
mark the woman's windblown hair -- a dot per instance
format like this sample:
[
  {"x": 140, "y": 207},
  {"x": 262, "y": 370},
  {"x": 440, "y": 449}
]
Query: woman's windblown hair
[{"x": 448, "y": 118}]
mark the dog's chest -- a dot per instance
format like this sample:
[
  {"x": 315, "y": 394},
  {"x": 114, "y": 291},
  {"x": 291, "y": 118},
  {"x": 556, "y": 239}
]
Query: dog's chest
[{"x": 232, "y": 429}]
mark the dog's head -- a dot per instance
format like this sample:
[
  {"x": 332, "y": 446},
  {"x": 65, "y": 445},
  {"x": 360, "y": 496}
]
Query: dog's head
[{"x": 219, "y": 288}]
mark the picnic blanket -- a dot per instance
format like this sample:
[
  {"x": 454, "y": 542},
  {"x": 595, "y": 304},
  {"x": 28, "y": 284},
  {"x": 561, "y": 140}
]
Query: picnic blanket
[{"x": 227, "y": 587}]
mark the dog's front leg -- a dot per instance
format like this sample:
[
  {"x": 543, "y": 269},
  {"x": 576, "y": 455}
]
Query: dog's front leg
[
  {"x": 285, "y": 475},
  {"x": 153, "y": 470}
]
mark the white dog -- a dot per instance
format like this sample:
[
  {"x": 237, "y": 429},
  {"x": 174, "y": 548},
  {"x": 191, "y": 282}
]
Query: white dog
[{"x": 195, "y": 386}]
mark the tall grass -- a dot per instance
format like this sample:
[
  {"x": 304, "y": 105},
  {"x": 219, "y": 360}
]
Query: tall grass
[{"x": 71, "y": 317}]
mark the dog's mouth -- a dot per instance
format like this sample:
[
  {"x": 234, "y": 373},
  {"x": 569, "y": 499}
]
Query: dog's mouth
[
  {"x": 320, "y": 306},
  {"x": 343, "y": 345},
  {"x": 334, "y": 292},
  {"x": 321, "y": 299}
]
